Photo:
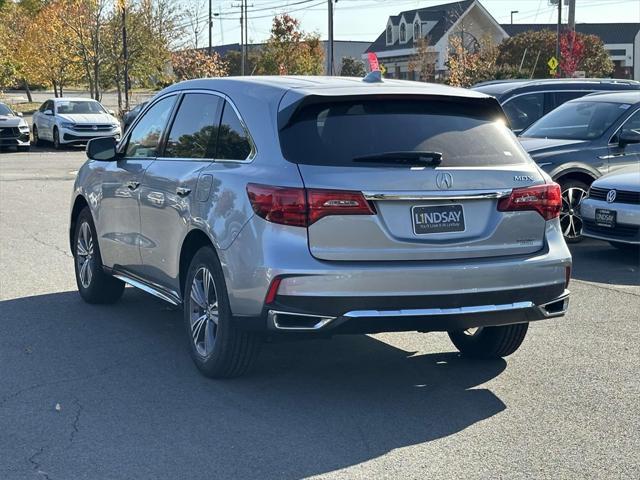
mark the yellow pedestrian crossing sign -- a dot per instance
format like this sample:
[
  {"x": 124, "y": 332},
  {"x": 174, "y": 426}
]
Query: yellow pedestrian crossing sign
[{"x": 553, "y": 63}]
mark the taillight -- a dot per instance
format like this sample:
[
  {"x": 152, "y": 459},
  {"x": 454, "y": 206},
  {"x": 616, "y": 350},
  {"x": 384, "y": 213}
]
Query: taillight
[
  {"x": 323, "y": 203},
  {"x": 272, "y": 291},
  {"x": 284, "y": 205},
  {"x": 544, "y": 199},
  {"x": 302, "y": 207}
]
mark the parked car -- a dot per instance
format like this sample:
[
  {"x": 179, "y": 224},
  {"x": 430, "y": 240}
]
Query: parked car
[
  {"x": 130, "y": 116},
  {"x": 65, "y": 121},
  {"x": 288, "y": 205},
  {"x": 525, "y": 101},
  {"x": 612, "y": 210},
  {"x": 582, "y": 140},
  {"x": 14, "y": 130}
]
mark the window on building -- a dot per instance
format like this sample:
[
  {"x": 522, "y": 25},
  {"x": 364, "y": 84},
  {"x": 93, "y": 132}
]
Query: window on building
[
  {"x": 416, "y": 31},
  {"x": 389, "y": 34},
  {"x": 403, "y": 32}
]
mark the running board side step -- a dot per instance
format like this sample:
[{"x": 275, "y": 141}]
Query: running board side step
[{"x": 157, "y": 291}]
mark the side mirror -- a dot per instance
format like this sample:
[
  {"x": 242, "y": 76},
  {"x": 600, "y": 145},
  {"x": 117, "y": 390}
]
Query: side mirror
[
  {"x": 112, "y": 112},
  {"x": 48, "y": 112},
  {"x": 103, "y": 149},
  {"x": 19, "y": 114},
  {"x": 628, "y": 136}
]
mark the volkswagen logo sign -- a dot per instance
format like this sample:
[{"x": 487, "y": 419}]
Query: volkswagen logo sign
[
  {"x": 444, "y": 181},
  {"x": 611, "y": 196}
]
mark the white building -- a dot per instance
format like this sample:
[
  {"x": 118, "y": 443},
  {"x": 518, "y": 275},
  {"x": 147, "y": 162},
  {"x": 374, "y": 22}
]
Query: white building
[{"x": 467, "y": 19}]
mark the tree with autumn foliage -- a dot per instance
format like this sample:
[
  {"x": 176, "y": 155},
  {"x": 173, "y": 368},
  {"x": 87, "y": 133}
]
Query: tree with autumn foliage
[
  {"x": 571, "y": 52},
  {"x": 290, "y": 51},
  {"x": 466, "y": 67},
  {"x": 189, "y": 64},
  {"x": 534, "y": 49},
  {"x": 48, "y": 46},
  {"x": 423, "y": 62}
]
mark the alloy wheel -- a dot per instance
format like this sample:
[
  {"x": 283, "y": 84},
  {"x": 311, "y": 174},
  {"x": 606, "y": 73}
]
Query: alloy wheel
[
  {"x": 203, "y": 305},
  {"x": 84, "y": 255},
  {"x": 570, "y": 218}
]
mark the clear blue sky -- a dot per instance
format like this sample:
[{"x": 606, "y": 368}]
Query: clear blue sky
[{"x": 365, "y": 19}]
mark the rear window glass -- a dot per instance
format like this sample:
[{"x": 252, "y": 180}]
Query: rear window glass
[{"x": 336, "y": 133}]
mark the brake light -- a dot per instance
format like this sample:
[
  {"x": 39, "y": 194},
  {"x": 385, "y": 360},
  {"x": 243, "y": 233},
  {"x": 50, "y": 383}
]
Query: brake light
[
  {"x": 544, "y": 199},
  {"x": 302, "y": 207}
]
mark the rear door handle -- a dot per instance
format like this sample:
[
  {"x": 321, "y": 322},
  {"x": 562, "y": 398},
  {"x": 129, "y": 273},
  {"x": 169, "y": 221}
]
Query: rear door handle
[
  {"x": 183, "y": 191},
  {"x": 132, "y": 185}
]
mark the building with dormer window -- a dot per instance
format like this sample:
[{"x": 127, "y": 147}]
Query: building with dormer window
[{"x": 437, "y": 24}]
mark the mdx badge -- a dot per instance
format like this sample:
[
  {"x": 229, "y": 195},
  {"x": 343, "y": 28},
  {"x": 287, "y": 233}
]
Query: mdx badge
[
  {"x": 523, "y": 178},
  {"x": 444, "y": 181}
]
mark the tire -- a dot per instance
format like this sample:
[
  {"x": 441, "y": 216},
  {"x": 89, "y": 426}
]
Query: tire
[
  {"x": 218, "y": 347},
  {"x": 489, "y": 342},
  {"x": 573, "y": 192},
  {"x": 94, "y": 285},
  {"x": 36, "y": 138},
  {"x": 23, "y": 148},
  {"x": 627, "y": 248},
  {"x": 56, "y": 139}
]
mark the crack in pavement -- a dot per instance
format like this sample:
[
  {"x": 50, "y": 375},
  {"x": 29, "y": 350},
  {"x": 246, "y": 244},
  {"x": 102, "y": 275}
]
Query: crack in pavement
[
  {"x": 605, "y": 287},
  {"x": 37, "y": 465},
  {"x": 76, "y": 420}
]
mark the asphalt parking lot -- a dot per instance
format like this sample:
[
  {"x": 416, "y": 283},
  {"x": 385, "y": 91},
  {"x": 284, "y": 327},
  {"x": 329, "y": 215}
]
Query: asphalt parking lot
[{"x": 132, "y": 406}]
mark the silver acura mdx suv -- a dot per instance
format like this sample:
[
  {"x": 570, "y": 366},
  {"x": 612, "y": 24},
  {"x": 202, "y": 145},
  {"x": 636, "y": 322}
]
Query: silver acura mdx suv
[{"x": 309, "y": 205}]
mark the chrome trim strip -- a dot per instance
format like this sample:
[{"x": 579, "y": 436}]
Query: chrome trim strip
[
  {"x": 423, "y": 312},
  {"x": 273, "y": 318},
  {"x": 434, "y": 195},
  {"x": 612, "y": 238},
  {"x": 147, "y": 288}
]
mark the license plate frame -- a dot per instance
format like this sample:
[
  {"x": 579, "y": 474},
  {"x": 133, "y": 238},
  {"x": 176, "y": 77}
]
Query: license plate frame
[
  {"x": 605, "y": 217},
  {"x": 432, "y": 227}
]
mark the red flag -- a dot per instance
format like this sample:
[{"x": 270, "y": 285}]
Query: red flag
[{"x": 373, "y": 62}]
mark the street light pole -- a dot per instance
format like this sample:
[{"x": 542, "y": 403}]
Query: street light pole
[
  {"x": 330, "y": 42},
  {"x": 512, "y": 12},
  {"x": 210, "y": 26},
  {"x": 558, "y": 30}
]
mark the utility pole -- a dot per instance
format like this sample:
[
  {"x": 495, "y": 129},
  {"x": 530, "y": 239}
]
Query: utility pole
[
  {"x": 125, "y": 53},
  {"x": 572, "y": 15},
  {"x": 242, "y": 37},
  {"x": 210, "y": 26},
  {"x": 330, "y": 42},
  {"x": 246, "y": 37},
  {"x": 558, "y": 30}
]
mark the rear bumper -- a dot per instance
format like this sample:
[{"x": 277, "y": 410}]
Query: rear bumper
[{"x": 419, "y": 319}]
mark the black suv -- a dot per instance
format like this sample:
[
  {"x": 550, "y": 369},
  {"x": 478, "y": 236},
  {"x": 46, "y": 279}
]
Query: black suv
[{"x": 525, "y": 101}]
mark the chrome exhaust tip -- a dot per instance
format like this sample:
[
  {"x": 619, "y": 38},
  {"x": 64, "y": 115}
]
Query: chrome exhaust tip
[
  {"x": 297, "y": 321},
  {"x": 557, "y": 307}
]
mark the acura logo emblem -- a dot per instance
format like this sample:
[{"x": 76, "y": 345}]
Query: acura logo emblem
[
  {"x": 611, "y": 196},
  {"x": 444, "y": 181}
]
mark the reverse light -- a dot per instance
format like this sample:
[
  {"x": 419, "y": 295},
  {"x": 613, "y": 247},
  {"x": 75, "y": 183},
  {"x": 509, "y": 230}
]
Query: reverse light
[
  {"x": 302, "y": 207},
  {"x": 544, "y": 199}
]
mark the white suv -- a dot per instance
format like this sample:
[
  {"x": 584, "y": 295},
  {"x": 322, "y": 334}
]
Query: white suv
[{"x": 73, "y": 120}]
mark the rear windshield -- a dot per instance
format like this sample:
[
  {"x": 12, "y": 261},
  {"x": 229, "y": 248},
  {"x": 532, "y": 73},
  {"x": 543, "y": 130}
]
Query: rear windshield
[{"x": 336, "y": 133}]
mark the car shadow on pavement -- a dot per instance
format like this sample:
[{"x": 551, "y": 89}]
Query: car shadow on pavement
[
  {"x": 131, "y": 397},
  {"x": 597, "y": 261}
]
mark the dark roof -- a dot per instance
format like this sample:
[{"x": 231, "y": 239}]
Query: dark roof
[
  {"x": 445, "y": 16},
  {"x": 632, "y": 97},
  {"x": 608, "y": 32},
  {"x": 508, "y": 88}
]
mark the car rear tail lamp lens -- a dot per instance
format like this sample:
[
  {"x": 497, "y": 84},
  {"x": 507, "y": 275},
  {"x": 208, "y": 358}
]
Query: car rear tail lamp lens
[
  {"x": 302, "y": 207},
  {"x": 544, "y": 199},
  {"x": 272, "y": 291}
]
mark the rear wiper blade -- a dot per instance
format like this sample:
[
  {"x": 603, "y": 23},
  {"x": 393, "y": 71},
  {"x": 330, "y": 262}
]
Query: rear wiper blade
[{"x": 413, "y": 158}]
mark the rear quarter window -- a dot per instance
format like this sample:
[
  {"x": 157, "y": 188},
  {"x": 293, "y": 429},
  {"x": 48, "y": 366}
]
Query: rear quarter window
[{"x": 337, "y": 132}]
